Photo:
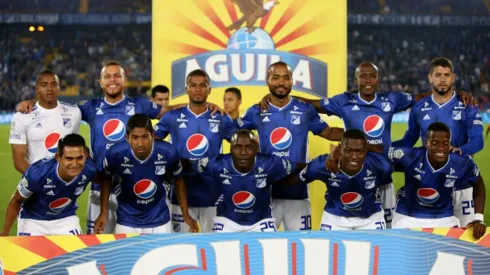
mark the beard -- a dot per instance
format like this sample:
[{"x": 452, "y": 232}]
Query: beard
[
  {"x": 278, "y": 95},
  {"x": 441, "y": 91}
]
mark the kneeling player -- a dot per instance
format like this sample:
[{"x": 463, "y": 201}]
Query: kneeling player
[
  {"x": 46, "y": 196},
  {"x": 145, "y": 167},
  {"x": 245, "y": 178},
  {"x": 432, "y": 174},
  {"x": 355, "y": 195}
]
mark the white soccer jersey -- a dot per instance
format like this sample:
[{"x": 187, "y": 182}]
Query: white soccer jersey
[{"x": 42, "y": 128}]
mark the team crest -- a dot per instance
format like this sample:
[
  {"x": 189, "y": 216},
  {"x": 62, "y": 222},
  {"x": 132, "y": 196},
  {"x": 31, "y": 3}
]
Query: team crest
[
  {"x": 261, "y": 183},
  {"x": 160, "y": 170},
  {"x": 177, "y": 227},
  {"x": 214, "y": 127},
  {"x": 130, "y": 110},
  {"x": 370, "y": 184},
  {"x": 457, "y": 115},
  {"x": 386, "y": 106},
  {"x": 295, "y": 119},
  {"x": 67, "y": 122}
]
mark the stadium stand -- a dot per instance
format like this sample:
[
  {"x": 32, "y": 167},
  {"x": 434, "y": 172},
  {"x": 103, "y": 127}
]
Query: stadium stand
[{"x": 451, "y": 7}]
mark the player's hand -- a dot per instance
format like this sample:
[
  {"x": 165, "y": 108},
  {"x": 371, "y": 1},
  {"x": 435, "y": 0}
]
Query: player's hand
[
  {"x": 456, "y": 150},
  {"x": 191, "y": 223},
  {"x": 479, "y": 228},
  {"x": 215, "y": 108},
  {"x": 467, "y": 98},
  {"x": 25, "y": 106},
  {"x": 100, "y": 222},
  {"x": 264, "y": 103},
  {"x": 332, "y": 162}
]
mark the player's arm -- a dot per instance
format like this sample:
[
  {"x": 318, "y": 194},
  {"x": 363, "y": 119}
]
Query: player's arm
[
  {"x": 472, "y": 175},
  {"x": 162, "y": 129},
  {"x": 386, "y": 189},
  {"x": 25, "y": 189},
  {"x": 247, "y": 121},
  {"x": 320, "y": 128},
  {"x": 286, "y": 172},
  {"x": 479, "y": 227},
  {"x": 19, "y": 153},
  {"x": 13, "y": 210},
  {"x": 400, "y": 156},
  {"x": 412, "y": 134},
  {"x": 474, "y": 128},
  {"x": 306, "y": 173},
  {"x": 181, "y": 191},
  {"x": 332, "y": 133},
  {"x": 104, "y": 175},
  {"x": 26, "y": 106},
  {"x": 18, "y": 140}
]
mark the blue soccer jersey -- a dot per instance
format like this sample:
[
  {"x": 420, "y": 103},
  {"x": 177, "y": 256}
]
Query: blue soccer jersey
[
  {"x": 428, "y": 192},
  {"x": 48, "y": 196},
  {"x": 284, "y": 132},
  {"x": 196, "y": 137},
  {"x": 373, "y": 118},
  {"x": 351, "y": 196},
  {"x": 246, "y": 198},
  {"x": 107, "y": 122},
  {"x": 143, "y": 184},
  {"x": 465, "y": 124}
]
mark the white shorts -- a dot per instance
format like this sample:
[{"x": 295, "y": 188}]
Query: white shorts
[
  {"x": 204, "y": 215},
  {"x": 334, "y": 222},
  {"x": 94, "y": 211},
  {"x": 162, "y": 229},
  {"x": 404, "y": 221},
  {"x": 464, "y": 206},
  {"x": 65, "y": 226},
  {"x": 294, "y": 215},
  {"x": 223, "y": 225}
]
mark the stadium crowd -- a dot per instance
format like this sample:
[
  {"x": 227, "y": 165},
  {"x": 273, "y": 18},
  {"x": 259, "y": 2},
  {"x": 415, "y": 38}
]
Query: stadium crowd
[{"x": 402, "y": 54}]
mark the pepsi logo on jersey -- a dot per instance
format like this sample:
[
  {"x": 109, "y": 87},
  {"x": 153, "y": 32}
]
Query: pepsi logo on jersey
[
  {"x": 114, "y": 129},
  {"x": 197, "y": 145},
  {"x": 374, "y": 126},
  {"x": 243, "y": 200},
  {"x": 51, "y": 142},
  {"x": 58, "y": 205},
  {"x": 145, "y": 190},
  {"x": 281, "y": 138},
  {"x": 351, "y": 200},
  {"x": 427, "y": 196}
]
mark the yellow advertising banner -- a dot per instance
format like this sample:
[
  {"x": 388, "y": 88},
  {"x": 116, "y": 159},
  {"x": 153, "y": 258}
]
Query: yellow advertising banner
[{"x": 235, "y": 41}]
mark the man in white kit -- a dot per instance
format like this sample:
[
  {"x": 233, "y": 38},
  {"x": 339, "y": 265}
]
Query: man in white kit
[{"x": 35, "y": 135}]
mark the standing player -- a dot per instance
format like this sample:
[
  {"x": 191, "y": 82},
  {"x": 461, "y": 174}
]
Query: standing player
[
  {"x": 283, "y": 131},
  {"x": 35, "y": 135},
  {"x": 46, "y": 196},
  {"x": 245, "y": 178},
  {"x": 432, "y": 174},
  {"x": 465, "y": 124},
  {"x": 369, "y": 110},
  {"x": 232, "y": 101},
  {"x": 358, "y": 196},
  {"x": 145, "y": 167},
  {"x": 107, "y": 118},
  {"x": 196, "y": 133},
  {"x": 160, "y": 95}
]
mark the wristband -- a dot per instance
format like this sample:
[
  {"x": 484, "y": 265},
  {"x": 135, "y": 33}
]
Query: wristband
[{"x": 478, "y": 217}]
